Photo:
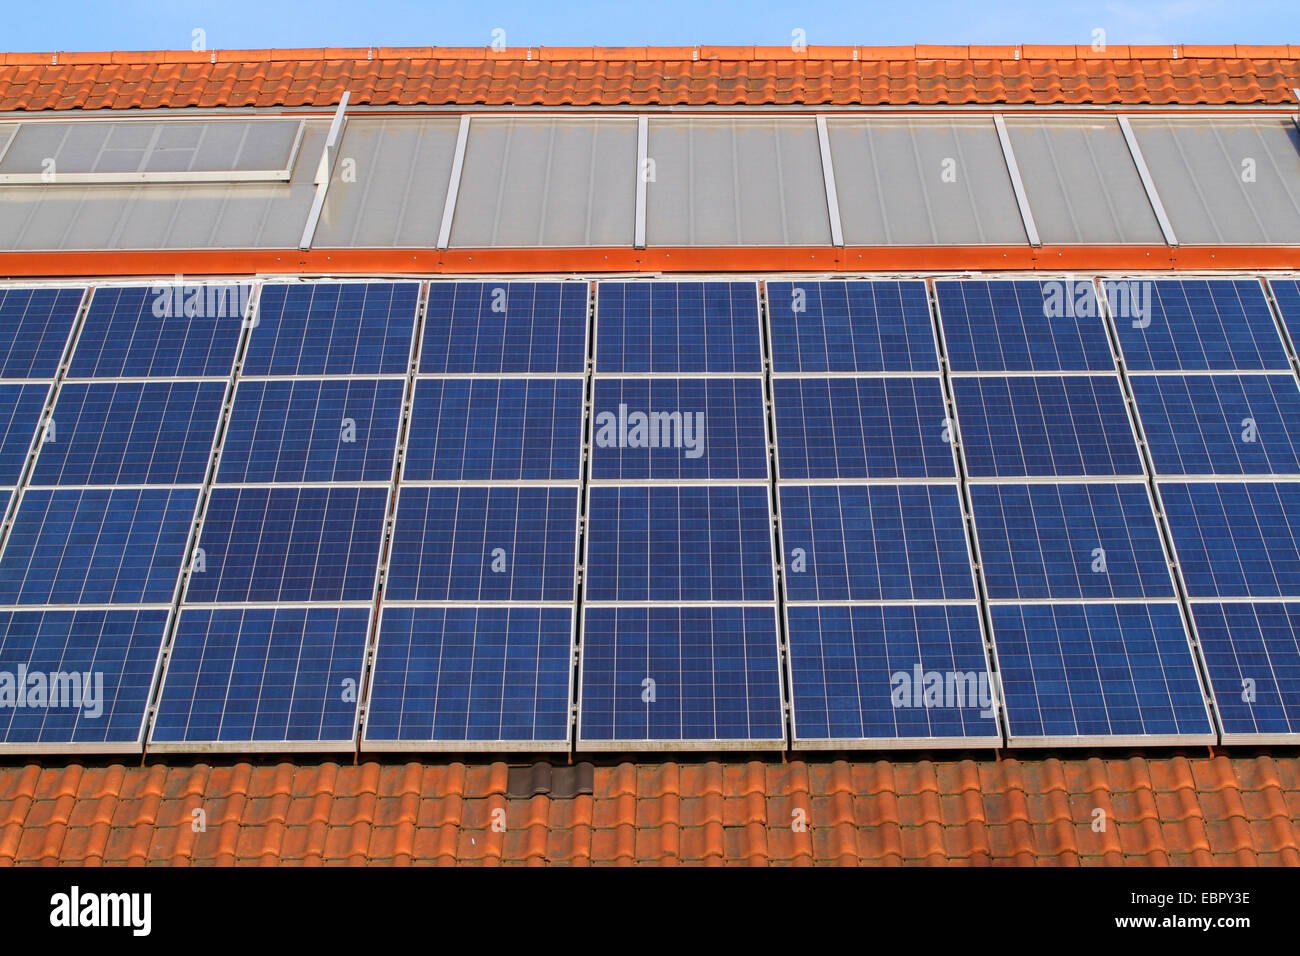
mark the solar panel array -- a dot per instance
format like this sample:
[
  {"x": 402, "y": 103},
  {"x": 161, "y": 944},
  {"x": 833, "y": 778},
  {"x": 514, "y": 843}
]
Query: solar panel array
[{"x": 643, "y": 515}]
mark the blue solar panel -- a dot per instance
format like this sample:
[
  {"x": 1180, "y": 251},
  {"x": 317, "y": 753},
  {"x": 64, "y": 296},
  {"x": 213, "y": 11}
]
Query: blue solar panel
[
  {"x": 1286, "y": 292},
  {"x": 484, "y": 544},
  {"x": 687, "y": 428},
  {"x": 20, "y": 417},
  {"x": 1252, "y": 654},
  {"x": 875, "y": 543},
  {"x": 290, "y": 544},
  {"x": 107, "y": 433},
  {"x": 678, "y": 327},
  {"x": 890, "y": 674},
  {"x": 1045, "y": 426},
  {"x": 1098, "y": 670},
  {"x": 1023, "y": 326},
  {"x": 665, "y": 543},
  {"x": 87, "y": 676},
  {"x": 96, "y": 546},
  {"x": 1194, "y": 324},
  {"x": 680, "y": 674},
  {"x": 862, "y": 428},
  {"x": 1235, "y": 539},
  {"x": 1220, "y": 424},
  {"x": 305, "y": 430},
  {"x": 1069, "y": 541},
  {"x": 495, "y": 429},
  {"x": 263, "y": 676},
  {"x": 358, "y": 328},
  {"x": 34, "y": 327},
  {"x": 505, "y": 327},
  {"x": 483, "y": 674},
  {"x": 851, "y": 327},
  {"x": 138, "y": 332}
]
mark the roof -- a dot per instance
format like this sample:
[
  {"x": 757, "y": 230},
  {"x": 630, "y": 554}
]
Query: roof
[
  {"x": 1175, "y": 810},
  {"x": 636, "y": 76}
]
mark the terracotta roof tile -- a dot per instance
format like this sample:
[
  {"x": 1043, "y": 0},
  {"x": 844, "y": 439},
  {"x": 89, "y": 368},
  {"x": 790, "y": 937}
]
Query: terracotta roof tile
[
  {"x": 1173, "y": 810},
  {"x": 925, "y": 75}
]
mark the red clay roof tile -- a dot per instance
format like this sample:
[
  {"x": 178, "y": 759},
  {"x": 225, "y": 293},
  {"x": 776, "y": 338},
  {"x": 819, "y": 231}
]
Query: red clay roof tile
[{"x": 583, "y": 76}]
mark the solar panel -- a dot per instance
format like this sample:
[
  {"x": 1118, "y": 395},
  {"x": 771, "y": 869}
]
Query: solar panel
[
  {"x": 1106, "y": 673},
  {"x": 874, "y": 543},
  {"x": 683, "y": 428},
  {"x": 81, "y": 679},
  {"x": 1069, "y": 541},
  {"x": 881, "y": 326},
  {"x": 1195, "y": 325},
  {"x": 467, "y": 678},
  {"x": 107, "y": 433},
  {"x": 289, "y": 544},
  {"x": 34, "y": 328},
  {"x": 138, "y": 331},
  {"x": 678, "y": 327},
  {"x": 505, "y": 328},
  {"x": 890, "y": 676},
  {"x": 350, "y": 328},
  {"x": 671, "y": 543},
  {"x": 484, "y": 544},
  {"x": 1252, "y": 654},
  {"x": 1236, "y": 539},
  {"x": 862, "y": 428},
  {"x": 680, "y": 677},
  {"x": 96, "y": 546},
  {"x": 1220, "y": 424},
  {"x": 1045, "y": 426},
  {"x": 305, "y": 430},
  {"x": 495, "y": 429},
  {"x": 21, "y": 407},
  {"x": 1286, "y": 293},
  {"x": 263, "y": 678},
  {"x": 1023, "y": 326}
]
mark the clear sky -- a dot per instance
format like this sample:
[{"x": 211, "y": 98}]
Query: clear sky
[{"x": 52, "y": 25}]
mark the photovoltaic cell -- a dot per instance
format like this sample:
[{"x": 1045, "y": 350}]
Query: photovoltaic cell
[
  {"x": 686, "y": 428},
  {"x": 495, "y": 429},
  {"x": 1023, "y": 326},
  {"x": 678, "y": 327},
  {"x": 1256, "y": 647},
  {"x": 668, "y": 543},
  {"x": 484, "y": 544},
  {"x": 34, "y": 327},
  {"x": 874, "y": 543},
  {"x": 862, "y": 428},
  {"x": 108, "y": 659},
  {"x": 502, "y": 328},
  {"x": 464, "y": 675},
  {"x": 1045, "y": 426},
  {"x": 1069, "y": 541},
  {"x": 21, "y": 407},
  {"x": 1236, "y": 539},
  {"x": 1220, "y": 424},
  {"x": 1097, "y": 671},
  {"x": 713, "y": 675},
  {"x": 350, "y": 328},
  {"x": 851, "y": 327},
  {"x": 96, "y": 546},
  {"x": 305, "y": 430},
  {"x": 1197, "y": 325},
  {"x": 263, "y": 676},
  {"x": 290, "y": 544},
  {"x": 106, "y": 433},
  {"x": 140, "y": 332},
  {"x": 860, "y": 674}
]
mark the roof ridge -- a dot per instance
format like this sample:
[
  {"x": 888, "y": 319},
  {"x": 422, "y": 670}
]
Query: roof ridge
[{"x": 643, "y": 53}]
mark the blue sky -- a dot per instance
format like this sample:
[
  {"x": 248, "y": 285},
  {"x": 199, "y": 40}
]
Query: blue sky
[{"x": 232, "y": 24}]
